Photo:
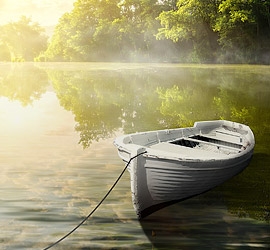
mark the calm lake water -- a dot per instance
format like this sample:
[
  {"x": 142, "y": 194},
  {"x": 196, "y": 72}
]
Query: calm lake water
[{"x": 57, "y": 126}]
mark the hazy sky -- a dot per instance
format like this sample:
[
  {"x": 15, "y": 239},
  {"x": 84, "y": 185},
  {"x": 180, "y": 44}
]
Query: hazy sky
[{"x": 45, "y": 12}]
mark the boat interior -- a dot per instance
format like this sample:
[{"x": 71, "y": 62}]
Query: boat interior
[{"x": 217, "y": 141}]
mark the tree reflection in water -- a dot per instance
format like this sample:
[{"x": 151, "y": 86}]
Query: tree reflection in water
[{"x": 129, "y": 98}]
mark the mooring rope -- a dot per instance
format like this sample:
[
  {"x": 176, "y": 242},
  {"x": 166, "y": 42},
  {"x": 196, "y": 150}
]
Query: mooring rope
[{"x": 97, "y": 206}]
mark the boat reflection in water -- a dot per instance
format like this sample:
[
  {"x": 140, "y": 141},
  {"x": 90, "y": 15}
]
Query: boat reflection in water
[
  {"x": 199, "y": 224},
  {"x": 181, "y": 163}
]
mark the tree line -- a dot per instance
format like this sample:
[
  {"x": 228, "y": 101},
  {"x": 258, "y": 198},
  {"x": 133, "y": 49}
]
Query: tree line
[
  {"x": 23, "y": 40},
  {"x": 200, "y": 31}
]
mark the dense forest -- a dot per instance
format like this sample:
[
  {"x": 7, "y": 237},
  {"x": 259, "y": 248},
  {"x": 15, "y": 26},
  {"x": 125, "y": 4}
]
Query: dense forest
[{"x": 197, "y": 31}]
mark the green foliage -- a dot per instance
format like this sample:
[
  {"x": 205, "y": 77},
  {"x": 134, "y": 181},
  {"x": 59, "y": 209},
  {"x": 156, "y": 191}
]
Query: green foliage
[
  {"x": 234, "y": 24},
  {"x": 186, "y": 21},
  {"x": 198, "y": 31},
  {"x": 108, "y": 30},
  {"x": 192, "y": 22},
  {"x": 22, "y": 40}
]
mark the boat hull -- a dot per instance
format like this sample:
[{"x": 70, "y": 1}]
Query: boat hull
[
  {"x": 157, "y": 183},
  {"x": 172, "y": 170}
]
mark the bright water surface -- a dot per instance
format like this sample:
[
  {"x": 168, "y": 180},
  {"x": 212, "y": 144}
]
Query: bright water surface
[{"x": 57, "y": 125}]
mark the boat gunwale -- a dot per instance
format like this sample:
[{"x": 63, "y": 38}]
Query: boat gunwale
[
  {"x": 153, "y": 153},
  {"x": 163, "y": 154}
]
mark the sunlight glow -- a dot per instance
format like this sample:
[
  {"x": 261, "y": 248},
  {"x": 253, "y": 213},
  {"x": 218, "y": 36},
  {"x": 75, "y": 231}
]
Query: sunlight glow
[
  {"x": 40, "y": 118},
  {"x": 15, "y": 117},
  {"x": 45, "y": 12}
]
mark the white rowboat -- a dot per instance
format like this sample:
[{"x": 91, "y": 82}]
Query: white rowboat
[{"x": 184, "y": 162}]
